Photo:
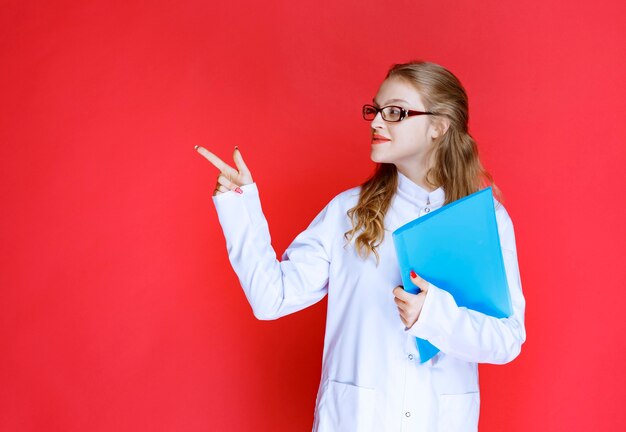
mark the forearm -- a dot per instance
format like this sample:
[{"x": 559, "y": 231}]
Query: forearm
[
  {"x": 273, "y": 288},
  {"x": 471, "y": 335},
  {"x": 467, "y": 334}
]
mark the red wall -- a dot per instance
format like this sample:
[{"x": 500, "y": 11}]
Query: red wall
[{"x": 118, "y": 308}]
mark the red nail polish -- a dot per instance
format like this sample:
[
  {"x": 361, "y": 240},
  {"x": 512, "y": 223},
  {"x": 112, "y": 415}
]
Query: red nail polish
[
  {"x": 413, "y": 274},
  {"x": 239, "y": 191}
]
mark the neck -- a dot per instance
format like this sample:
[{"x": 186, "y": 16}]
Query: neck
[{"x": 418, "y": 176}]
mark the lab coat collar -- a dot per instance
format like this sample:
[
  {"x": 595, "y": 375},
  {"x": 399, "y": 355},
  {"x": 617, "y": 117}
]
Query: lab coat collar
[{"x": 418, "y": 194}]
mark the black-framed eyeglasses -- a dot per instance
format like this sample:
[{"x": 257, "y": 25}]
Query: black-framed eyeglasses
[{"x": 391, "y": 113}]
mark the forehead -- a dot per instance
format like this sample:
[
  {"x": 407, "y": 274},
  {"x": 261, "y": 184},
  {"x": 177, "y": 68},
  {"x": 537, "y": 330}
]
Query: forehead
[{"x": 398, "y": 91}]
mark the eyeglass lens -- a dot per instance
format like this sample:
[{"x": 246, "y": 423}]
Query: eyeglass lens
[{"x": 390, "y": 113}]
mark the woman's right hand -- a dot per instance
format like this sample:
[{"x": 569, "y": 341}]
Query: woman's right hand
[{"x": 229, "y": 178}]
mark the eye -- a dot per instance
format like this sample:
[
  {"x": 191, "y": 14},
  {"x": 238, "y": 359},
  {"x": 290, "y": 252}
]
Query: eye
[
  {"x": 394, "y": 111},
  {"x": 369, "y": 110}
]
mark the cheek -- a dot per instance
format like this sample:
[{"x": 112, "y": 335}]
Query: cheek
[
  {"x": 410, "y": 132},
  {"x": 408, "y": 138},
  {"x": 407, "y": 141}
]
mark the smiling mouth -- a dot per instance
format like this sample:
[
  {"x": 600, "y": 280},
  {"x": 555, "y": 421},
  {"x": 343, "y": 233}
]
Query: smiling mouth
[{"x": 377, "y": 139}]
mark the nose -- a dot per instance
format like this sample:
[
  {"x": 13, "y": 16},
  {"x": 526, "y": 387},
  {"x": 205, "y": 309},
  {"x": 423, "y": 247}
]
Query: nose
[{"x": 378, "y": 121}]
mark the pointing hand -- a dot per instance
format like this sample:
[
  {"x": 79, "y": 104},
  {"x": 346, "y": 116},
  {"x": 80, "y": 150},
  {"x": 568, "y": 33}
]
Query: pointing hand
[{"x": 229, "y": 178}]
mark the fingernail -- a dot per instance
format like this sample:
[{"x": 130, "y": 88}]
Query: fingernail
[
  {"x": 239, "y": 191},
  {"x": 413, "y": 274},
  {"x": 196, "y": 147}
]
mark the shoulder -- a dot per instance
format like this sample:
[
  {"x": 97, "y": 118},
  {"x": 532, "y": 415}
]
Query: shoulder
[
  {"x": 505, "y": 226},
  {"x": 349, "y": 197},
  {"x": 502, "y": 215},
  {"x": 335, "y": 212},
  {"x": 333, "y": 220},
  {"x": 344, "y": 201}
]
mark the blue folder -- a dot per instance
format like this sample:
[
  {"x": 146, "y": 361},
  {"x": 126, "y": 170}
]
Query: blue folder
[{"x": 457, "y": 248}]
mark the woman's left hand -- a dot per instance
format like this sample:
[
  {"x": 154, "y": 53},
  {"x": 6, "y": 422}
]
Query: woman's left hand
[{"x": 410, "y": 305}]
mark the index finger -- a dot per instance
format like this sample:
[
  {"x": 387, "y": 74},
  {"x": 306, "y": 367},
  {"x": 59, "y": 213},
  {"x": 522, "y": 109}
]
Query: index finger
[
  {"x": 216, "y": 161},
  {"x": 401, "y": 294}
]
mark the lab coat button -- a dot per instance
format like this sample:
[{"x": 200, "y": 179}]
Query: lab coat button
[
  {"x": 410, "y": 356},
  {"x": 408, "y": 414},
  {"x": 426, "y": 209}
]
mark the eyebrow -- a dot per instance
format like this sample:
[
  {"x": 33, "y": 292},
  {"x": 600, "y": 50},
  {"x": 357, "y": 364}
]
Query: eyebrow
[{"x": 390, "y": 101}]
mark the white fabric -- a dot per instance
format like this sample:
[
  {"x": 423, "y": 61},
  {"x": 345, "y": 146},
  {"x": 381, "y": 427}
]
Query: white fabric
[{"x": 372, "y": 379}]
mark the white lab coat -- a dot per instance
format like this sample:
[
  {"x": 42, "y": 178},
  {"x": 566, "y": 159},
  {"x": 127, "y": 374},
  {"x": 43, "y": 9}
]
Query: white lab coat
[{"x": 372, "y": 379}]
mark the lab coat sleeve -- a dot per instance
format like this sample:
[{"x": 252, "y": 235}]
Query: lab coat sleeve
[
  {"x": 470, "y": 335},
  {"x": 273, "y": 288}
]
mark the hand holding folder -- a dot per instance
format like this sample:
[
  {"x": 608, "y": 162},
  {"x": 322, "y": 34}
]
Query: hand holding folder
[{"x": 457, "y": 248}]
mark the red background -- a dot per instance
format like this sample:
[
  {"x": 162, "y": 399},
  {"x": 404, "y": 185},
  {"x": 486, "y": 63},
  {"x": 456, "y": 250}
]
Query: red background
[{"x": 118, "y": 308}]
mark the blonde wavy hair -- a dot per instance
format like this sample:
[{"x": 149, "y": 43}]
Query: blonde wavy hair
[{"x": 457, "y": 168}]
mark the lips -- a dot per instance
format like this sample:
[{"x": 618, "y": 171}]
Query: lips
[{"x": 379, "y": 139}]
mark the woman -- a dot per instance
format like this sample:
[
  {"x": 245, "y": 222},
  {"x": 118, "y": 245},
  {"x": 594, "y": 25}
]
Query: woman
[{"x": 372, "y": 378}]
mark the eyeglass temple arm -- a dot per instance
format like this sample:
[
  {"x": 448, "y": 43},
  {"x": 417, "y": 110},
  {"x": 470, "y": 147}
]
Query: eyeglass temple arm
[{"x": 410, "y": 113}]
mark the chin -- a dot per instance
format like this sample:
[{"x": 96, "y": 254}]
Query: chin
[
  {"x": 375, "y": 157},
  {"x": 378, "y": 158}
]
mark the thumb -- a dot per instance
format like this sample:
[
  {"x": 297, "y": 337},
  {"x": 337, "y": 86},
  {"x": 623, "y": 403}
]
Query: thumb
[{"x": 419, "y": 282}]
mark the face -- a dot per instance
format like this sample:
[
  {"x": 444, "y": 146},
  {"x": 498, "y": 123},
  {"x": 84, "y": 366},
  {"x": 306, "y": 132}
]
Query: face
[{"x": 408, "y": 143}]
